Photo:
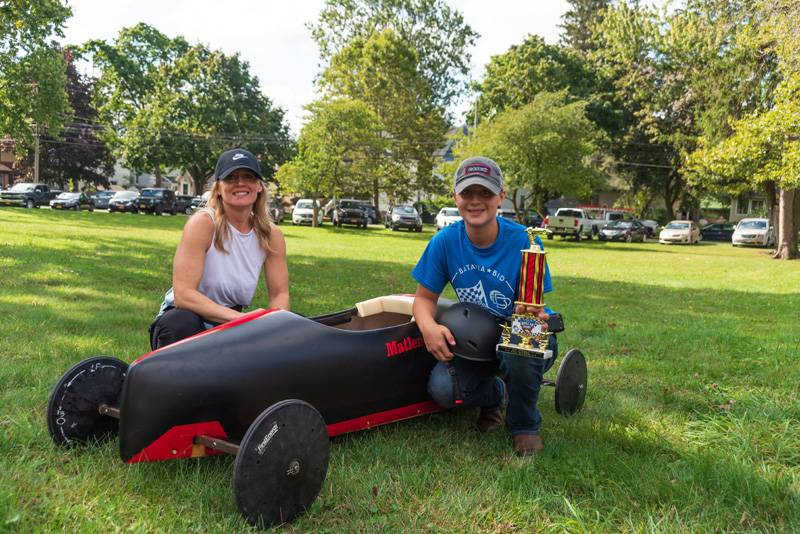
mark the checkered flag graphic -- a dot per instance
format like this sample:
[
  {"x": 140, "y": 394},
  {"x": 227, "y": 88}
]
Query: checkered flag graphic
[{"x": 474, "y": 294}]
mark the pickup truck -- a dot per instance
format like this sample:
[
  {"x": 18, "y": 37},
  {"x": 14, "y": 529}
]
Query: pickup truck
[
  {"x": 28, "y": 195},
  {"x": 573, "y": 222}
]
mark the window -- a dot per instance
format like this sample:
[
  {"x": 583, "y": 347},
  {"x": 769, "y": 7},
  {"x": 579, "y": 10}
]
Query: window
[
  {"x": 756, "y": 206},
  {"x": 185, "y": 189},
  {"x": 742, "y": 205}
]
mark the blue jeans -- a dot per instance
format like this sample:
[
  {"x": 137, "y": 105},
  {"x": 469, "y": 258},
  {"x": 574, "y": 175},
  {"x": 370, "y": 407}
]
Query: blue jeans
[{"x": 476, "y": 380}]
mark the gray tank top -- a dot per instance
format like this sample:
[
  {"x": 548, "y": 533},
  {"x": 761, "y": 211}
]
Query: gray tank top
[{"x": 229, "y": 279}]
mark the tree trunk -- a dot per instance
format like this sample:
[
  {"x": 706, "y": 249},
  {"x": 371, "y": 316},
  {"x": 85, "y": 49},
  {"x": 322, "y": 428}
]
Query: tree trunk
[
  {"x": 198, "y": 178},
  {"x": 772, "y": 203},
  {"x": 158, "y": 176},
  {"x": 787, "y": 226}
]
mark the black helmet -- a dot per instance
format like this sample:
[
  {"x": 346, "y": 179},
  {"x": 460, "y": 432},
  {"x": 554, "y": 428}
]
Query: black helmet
[{"x": 475, "y": 329}]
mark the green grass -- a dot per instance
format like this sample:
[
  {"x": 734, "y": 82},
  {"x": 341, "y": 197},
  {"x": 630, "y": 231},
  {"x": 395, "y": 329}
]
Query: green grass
[{"x": 690, "y": 423}]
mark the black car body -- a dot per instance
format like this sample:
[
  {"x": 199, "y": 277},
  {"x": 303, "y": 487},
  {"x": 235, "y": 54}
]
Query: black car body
[
  {"x": 156, "y": 201},
  {"x": 72, "y": 201},
  {"x": 183, "y": 204},
  {"x": 350, "y": 212},
  {"x": 102, "y": 198},
  {"x": 124, "y": 201},
  {"x": 718, "y": 232},
  {"x": 623, "y": 231},
  {"x": 403, "y": 217}
]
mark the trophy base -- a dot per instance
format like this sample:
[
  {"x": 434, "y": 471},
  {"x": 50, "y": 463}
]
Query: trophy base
[{"x": 525, "y": 352}]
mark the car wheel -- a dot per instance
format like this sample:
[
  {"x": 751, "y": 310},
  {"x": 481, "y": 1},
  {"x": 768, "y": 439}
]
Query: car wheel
[
  {"x": 578, "y": 235},
  {"x": 644, "y": 237},
  {"x": 158, "y": 211},
  {"x": 188, "y": 210},
  {"x": 77, "y": 207},
  {"x": 549, "y": 235},
  {"x": 91, "y": 208},
  {"x": 628, "y": 238},
  {"x": 30, "y": 204}
]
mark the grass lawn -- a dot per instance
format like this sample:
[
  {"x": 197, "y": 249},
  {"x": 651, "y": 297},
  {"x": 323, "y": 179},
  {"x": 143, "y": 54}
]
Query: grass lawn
[{"x": 690, "y": 423}]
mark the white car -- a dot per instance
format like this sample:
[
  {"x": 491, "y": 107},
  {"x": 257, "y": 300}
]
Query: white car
[
  {"x": 303, "y": 212},
  {"x": 446, "y": 217},
  {"x": 753, "y": 232},
  {"x": 680, "y": 232}
]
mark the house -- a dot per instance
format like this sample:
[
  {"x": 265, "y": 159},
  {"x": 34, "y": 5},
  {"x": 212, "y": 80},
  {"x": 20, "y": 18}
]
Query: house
[
  {"x": 751, "y": 204},
  {"x": 8, "y": 156}
]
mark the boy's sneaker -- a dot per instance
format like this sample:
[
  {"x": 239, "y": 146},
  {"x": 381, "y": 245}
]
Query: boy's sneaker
[
  {"x": 527, "y": 445},
  {"x": 492, "y": 418}
]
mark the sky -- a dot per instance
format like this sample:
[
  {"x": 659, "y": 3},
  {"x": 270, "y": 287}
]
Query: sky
[{"x": 272, "y": 35}]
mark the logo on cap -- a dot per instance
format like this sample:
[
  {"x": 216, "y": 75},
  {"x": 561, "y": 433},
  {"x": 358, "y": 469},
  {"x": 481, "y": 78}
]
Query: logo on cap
[
  {"x": 238, "y": 155},
  {"x": 480, "y": 169}
]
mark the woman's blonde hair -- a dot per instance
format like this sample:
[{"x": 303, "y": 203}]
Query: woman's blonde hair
[{"x": 261, "y": 217}]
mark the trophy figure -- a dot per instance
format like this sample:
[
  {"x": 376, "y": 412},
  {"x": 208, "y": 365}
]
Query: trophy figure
[{"x": 518, "y": 337}]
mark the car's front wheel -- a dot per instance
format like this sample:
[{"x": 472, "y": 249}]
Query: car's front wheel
[{"x": 30, "y": 204}]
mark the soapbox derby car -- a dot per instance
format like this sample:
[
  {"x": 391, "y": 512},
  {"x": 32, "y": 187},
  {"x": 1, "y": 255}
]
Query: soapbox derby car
[{"x": 270, "y": 388}]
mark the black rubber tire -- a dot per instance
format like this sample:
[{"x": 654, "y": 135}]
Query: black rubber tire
[
  {"x": 188, "y": 210},
  {"x": 571, "y": 383},
  {"x": 281, "y": 464},
  {"x": 628, "y": 238},
  {"x": 30, "y": 204},
  {"x": 72, "y": 416}
]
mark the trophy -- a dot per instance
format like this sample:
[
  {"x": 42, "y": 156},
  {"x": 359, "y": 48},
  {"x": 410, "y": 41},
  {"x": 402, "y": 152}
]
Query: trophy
[{"x": 521, "y": 330}]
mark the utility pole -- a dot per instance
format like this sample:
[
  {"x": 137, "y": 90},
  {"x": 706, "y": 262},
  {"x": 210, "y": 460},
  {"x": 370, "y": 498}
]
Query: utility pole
[{"x": 36, "y": 157}]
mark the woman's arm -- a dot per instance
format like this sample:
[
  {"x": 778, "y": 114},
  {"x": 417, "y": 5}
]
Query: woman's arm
[
  {"x": 276, "y": 273},
  {"x": 187, "y": 270}
]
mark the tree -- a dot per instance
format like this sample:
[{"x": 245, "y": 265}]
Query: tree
[
  {"x": 764, "y": 146},
  {"x": 218, "y": 104},
  {"x": 383, "y": 72},
  {"x": 32, "y": 77},
  {"x": 544, "y": 147},
  {"x": 130, "y": 94},
  {"x": 167, "y": 103},
  {"x": 514, "y": 78},
  {"x": 437, "y": 33},
  {"x": 580, "y": 21},
  {"x": 676, "y": 77},
  {"x": 337, "y": 149},
  {"x": 79, "y": 153}
]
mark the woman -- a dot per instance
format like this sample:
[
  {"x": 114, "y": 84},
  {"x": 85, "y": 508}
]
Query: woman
[{"x": 224, "y": 248}]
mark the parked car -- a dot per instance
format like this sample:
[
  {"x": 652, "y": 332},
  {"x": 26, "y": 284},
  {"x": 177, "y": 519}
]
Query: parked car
[
  {"x": 574, "y": 222},
  {"x": 651, "y": 227},
  {"x": 156, "y": 201},
  {"x": 717, "y": 232},
  {"x": 372, "y": 212},
  {"x": 623, "y": 230},
  {"x": 72, "y": 201},
  {"x": 303, "y": 212},
  {"x": 183, "y": 204},
  {"x": 101, "y": 199},
  {"x": 28, "y": 195},
  {"x": 753, "y": 232},
  {"x": 403, "y": 217},
  {"x": 123, "y": 201},
  {"x": 680, "y": 232},
  {"x": 446, "y": 217},
  {"x": 349, "y": 211}
]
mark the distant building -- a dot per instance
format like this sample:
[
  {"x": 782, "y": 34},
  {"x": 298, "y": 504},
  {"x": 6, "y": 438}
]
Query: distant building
[{"x": 8, "y": 156}]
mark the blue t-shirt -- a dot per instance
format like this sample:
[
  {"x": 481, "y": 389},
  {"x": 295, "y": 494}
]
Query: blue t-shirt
[{"x": 486, "y": 276}]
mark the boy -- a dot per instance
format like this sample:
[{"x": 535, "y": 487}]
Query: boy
[{"x": 480, "y": 257}]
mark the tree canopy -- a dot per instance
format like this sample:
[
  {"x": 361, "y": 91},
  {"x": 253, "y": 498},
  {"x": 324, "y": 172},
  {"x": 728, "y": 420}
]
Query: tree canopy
[
  {"x": 435, "y": 31},
  {"x": 32, "y": 71}
]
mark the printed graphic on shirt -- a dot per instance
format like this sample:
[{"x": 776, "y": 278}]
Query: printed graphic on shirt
[
  {"x": 491, "y": 283},
  {"x": 474, "y": 294}
]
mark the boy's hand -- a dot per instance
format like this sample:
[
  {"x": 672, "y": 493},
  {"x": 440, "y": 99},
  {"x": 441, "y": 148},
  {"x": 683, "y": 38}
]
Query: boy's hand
[
  {"x": 438, "y": 340},
  {"x": 536, "y": 311}
]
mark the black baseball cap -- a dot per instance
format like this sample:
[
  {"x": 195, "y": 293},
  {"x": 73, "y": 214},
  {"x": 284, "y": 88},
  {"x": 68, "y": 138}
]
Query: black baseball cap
[{"x": 238, "y": 158}]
